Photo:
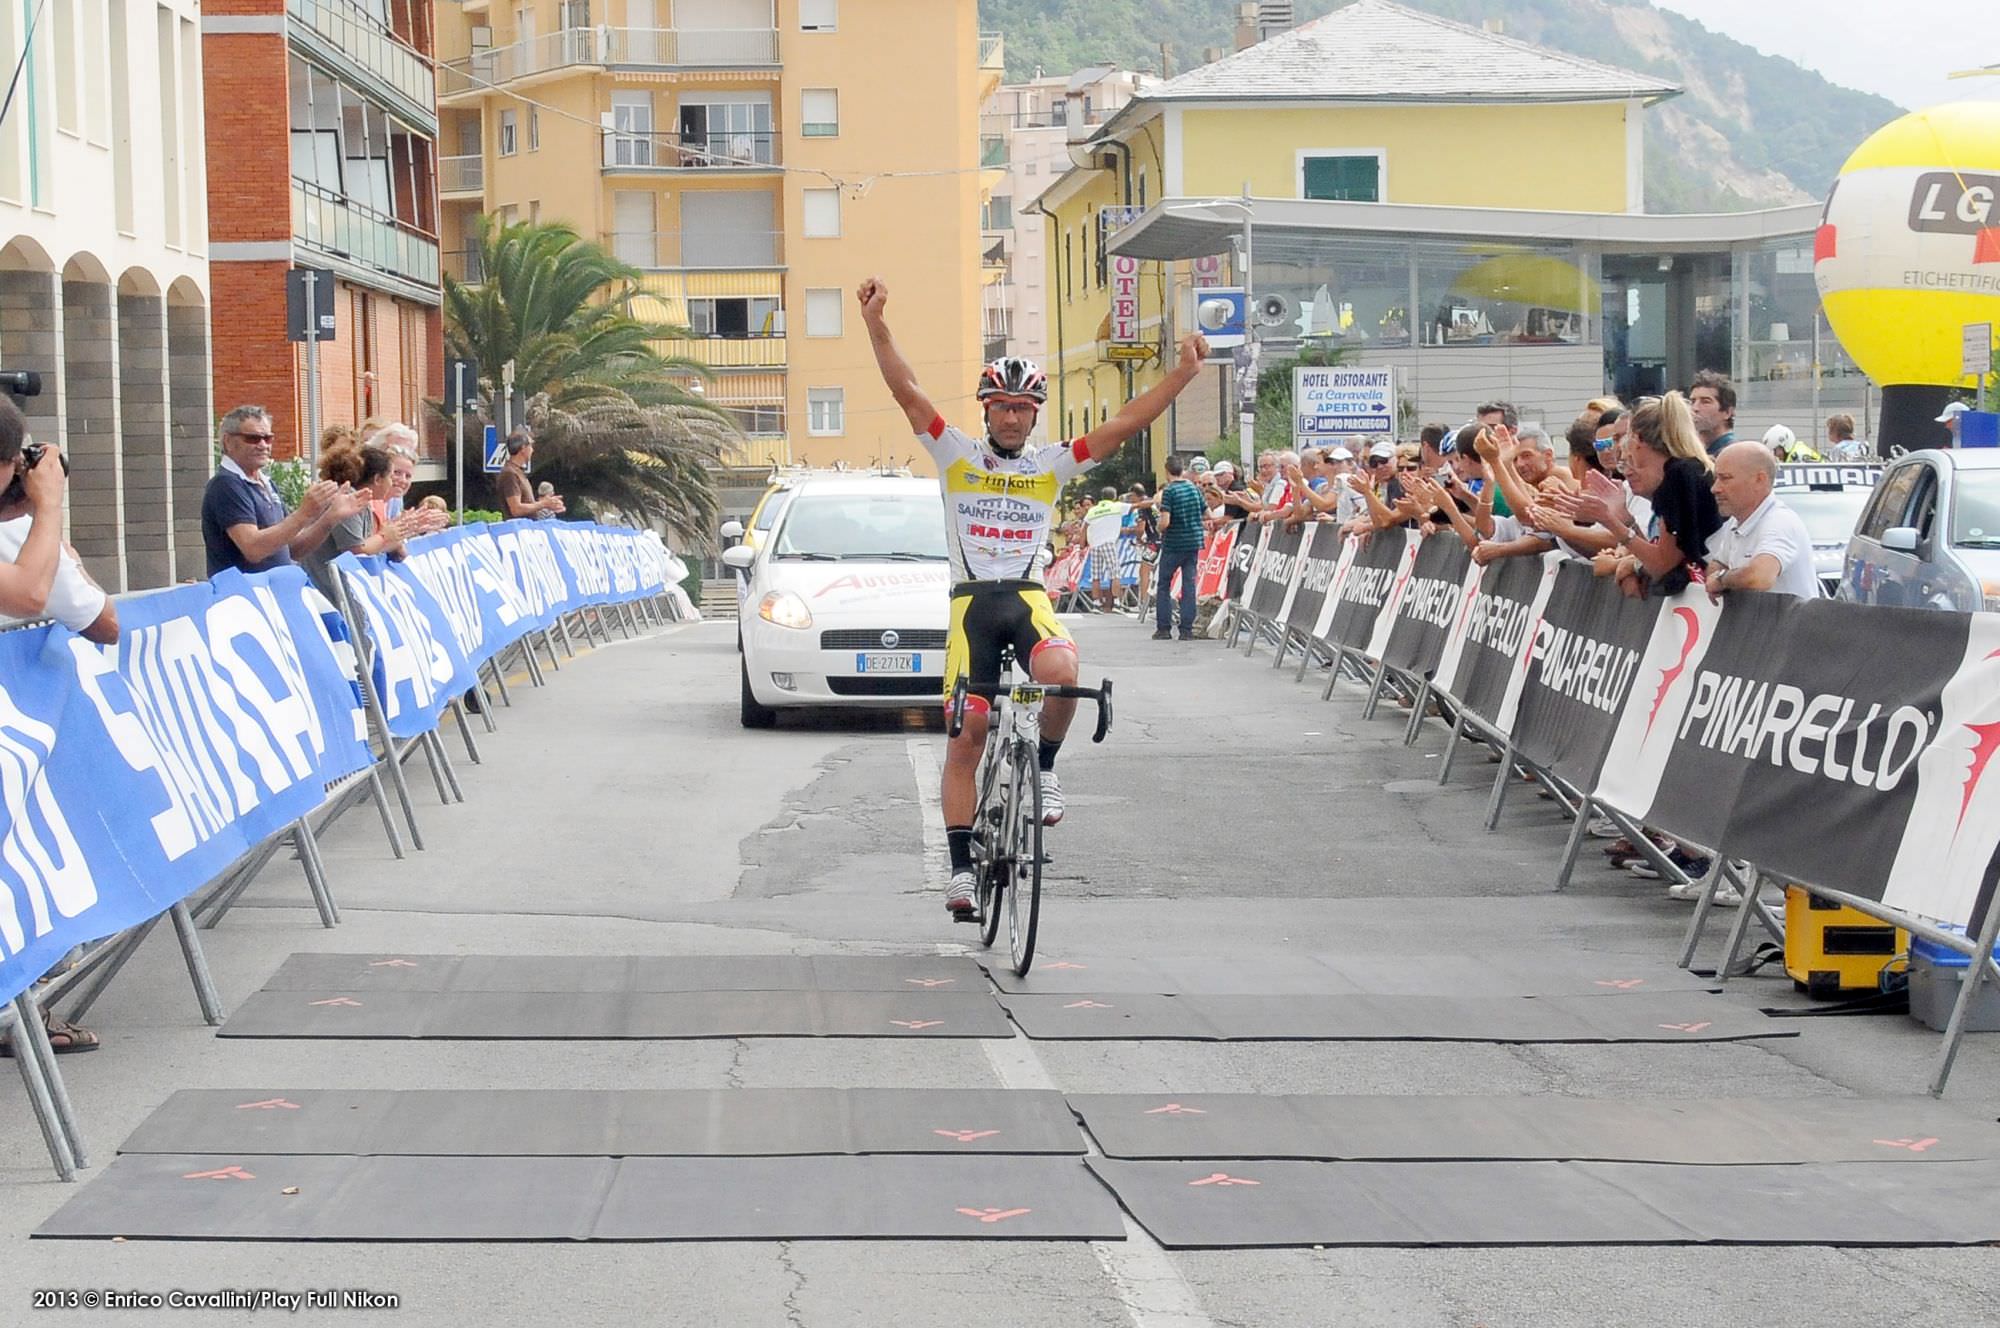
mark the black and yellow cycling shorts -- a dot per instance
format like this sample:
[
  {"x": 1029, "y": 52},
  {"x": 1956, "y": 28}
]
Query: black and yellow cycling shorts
[{"x": 987, "y": 616}]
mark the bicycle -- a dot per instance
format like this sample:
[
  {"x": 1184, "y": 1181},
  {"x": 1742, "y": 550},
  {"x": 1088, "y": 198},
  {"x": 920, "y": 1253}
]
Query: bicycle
[{"x": 1007, "y": 821}]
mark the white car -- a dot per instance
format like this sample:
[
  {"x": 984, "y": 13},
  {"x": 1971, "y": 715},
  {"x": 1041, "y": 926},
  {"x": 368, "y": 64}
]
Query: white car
[{"x": 847, "y": 599}]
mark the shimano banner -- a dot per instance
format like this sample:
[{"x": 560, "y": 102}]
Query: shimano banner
[
  {"x": 131, "y": 775},
  {"x": 134, "y": 774}
]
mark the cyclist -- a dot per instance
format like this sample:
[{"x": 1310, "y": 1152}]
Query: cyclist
[{"x": 1000, "y": 498}]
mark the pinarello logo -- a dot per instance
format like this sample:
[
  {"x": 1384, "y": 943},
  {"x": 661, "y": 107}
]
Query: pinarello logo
[
  {"x": 1668, "y": 677},
  {"x": 1986, "y": 743}
]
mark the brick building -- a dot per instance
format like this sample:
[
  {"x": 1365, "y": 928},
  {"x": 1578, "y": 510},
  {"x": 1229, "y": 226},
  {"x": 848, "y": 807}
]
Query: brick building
[{"x": 345, "y": 180}]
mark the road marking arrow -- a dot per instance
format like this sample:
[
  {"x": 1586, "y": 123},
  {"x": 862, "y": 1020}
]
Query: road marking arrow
[
  {"x": 1176, "y": 1109},
  {"x": 1224, "y": 1178},
  {"x": 995, "y": 1214},
  {"x": 231, "y": 1172},
  {"x": 916, "y": 1023},
  {"x": 268, "y": 1104},
  {"x": 966, "y": 1136},
  {"x": 338, "y": 1000}
]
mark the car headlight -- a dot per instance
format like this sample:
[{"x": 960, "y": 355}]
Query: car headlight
[{"x": 785, "y": 609}]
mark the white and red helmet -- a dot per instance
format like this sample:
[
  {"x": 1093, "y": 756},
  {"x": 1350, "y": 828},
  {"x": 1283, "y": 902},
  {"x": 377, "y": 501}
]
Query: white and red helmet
[{"x": 1015, "y": 377}]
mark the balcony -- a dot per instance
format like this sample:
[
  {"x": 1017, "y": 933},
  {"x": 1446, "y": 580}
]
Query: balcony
[
  {"x": 992, "y": 63},
  {"x": 720, "y": 152},
  {"x": 463, "y": 266},
  {"x": 364, "y": 238},
  {"x": 609, "y": 48},
  {"x": 757, "y": 454},
  {"x": 710, "y": 264},
  {"x": 459, "y": 176},
  {"x": 354, "y": 44}
]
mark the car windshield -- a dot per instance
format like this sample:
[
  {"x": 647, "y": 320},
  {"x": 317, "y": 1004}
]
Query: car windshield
[
  {"x": 904, "y": 527},
  {"x": 1830, "y": 514},
  {"x": 1975, "y": 509}
]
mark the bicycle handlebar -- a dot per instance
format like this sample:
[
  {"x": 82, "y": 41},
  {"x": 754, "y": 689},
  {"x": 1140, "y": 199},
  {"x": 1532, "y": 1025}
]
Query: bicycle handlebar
[{"x": 955, "y": 711}]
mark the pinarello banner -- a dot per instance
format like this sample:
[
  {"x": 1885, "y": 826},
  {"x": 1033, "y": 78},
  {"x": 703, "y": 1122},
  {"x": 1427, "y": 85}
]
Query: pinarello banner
[
  {"x": 1276, "y": 562},
  {"x": 1582, "y": 664},
  {"x": 1243, "y": 560},
  {"x": 1212, "y": 571},
  {"x": 1428, "y": 606},
  {"x": 1841, "y": 745},
  {"x": 1370, "y": 582},
  {"x": 1320, "y": 565},
  {"x": 1492, "y": 646}
]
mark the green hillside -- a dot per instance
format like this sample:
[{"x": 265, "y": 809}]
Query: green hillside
[{"x": 1751, "y": 130}]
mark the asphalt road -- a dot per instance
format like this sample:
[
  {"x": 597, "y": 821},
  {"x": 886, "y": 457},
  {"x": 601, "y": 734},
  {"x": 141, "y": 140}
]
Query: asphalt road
[{"x": 1233, "y": 815}]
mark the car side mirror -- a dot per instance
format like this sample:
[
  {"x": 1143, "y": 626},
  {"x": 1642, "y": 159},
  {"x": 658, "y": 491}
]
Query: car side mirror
[
  {"x": 740, "y": 556},
  {"x": 1902, "y": 539}
]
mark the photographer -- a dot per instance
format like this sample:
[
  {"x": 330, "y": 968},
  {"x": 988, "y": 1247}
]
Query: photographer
[{"x": 39, "y": 575}]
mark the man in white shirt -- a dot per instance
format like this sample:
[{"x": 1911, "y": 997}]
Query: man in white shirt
[
  {"x": 40, "y": 576},
  {"x": 1764, "y": 545}
]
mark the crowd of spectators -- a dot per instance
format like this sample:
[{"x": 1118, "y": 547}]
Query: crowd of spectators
[{"x": 1657, "y": 496}]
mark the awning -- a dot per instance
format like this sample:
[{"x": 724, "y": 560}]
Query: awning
[{"x": 1189, "y": 230}]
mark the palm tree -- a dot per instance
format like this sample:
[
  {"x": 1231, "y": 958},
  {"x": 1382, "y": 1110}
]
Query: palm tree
[{"x": 614, "y": 425}]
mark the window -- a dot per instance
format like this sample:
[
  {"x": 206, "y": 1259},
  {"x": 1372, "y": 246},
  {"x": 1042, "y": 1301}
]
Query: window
[
  {"x": 534, "y": 128},
  {"x": 823, "y": 313},
  {"x": 727, "y": 129},
  {"x": 1343, "y": 177},
  {"x": 1069, "y": 268},
  {"x": 1347, "y": 292},
  {"x": 819, "y": 113},
  {"x": 997, "y": 214},
  {"x": 819, "y": 15},
  {"x": 66, "y": 85},
  {"x": 507, "y": 143},
  {"x": 822, "y": 214},
  {"x": 735, "y": 318},
  {"x": 761, "y": 419},
  {"x": 1892, "y": 500},
  {"x": 1032, "y": 168},
  {"x": 826, "y": 411},
  {"x": 633, "y": 219},
  {"x": 534, "y": 211},
  {"x": 631, "y": 139},
  {"x": 1474, "y": 295}
]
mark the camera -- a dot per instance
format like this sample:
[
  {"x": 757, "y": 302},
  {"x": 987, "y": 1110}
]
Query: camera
[
  {"x": 31, "y": 456},
  {"x": 21, "y": 382}
]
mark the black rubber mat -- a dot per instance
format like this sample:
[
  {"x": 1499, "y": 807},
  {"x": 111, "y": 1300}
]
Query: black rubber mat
[
  {"x": 611, "y": 1015},
  {"x": 1214, "y": 1205},
  {"x": 285, "y": 1198},
  {"x": 739, "y": 1122},
  {"x": 1372, "y": 973},
  {"x": 1733, "y": 1131},
  {"x": 355, "y": 973},
  {"x": 1635, "y": 1017}
]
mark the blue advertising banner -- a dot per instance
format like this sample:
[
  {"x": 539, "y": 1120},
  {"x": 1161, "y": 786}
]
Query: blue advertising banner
[{"x": 131, "y": 775}]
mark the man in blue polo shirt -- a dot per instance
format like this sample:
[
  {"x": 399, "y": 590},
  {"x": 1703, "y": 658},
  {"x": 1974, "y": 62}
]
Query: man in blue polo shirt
[{"x": 243, "y": 522}]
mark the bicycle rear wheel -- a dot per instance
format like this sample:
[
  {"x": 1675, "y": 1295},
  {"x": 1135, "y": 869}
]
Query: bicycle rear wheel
[{"x": 1024, "y": 863}]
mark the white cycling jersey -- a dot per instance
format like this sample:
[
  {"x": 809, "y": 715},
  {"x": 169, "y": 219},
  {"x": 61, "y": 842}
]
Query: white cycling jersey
[{"x": 998, "y": 510}]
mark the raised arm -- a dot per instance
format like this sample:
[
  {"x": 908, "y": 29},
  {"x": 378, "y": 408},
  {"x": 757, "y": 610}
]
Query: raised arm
[
  {"x": 1143, "y": 409},
  {"x": 896, "y": 372}
]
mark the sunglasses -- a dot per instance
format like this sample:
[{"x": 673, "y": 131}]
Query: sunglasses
[
  {"x": 256, "y": 437},
  {"x": 1409, "y": 470}
]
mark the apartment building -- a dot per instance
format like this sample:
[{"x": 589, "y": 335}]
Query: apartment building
[
  {"x": 343, "y": 179},
  {"x": 756, "y": 159},
  {"x": 104, "y": 279},
  {"x": 1026, "y": 130}
]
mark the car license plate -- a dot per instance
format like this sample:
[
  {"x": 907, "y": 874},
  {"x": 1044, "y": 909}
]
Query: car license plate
[{"x": 881, "y": 663}]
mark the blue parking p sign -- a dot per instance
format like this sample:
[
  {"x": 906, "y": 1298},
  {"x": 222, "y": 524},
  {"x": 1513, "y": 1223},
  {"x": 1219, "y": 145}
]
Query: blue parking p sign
[{"x": 496, "y": 455}]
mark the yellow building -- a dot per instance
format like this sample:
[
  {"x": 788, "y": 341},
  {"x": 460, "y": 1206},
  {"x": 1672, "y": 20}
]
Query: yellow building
[
  {"x": 757, "y": 159},
  {"x": 1375, "y": 103}
]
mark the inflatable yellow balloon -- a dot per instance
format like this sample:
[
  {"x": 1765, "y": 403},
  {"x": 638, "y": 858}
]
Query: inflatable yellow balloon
[{"x": 1908, "y": 249}]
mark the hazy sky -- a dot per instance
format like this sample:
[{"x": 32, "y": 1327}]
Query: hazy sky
[{"x": 1901, "y": 49}]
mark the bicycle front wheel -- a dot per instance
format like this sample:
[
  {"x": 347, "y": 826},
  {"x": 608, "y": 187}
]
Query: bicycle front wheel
[{"x": 1024, "y": 863}]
